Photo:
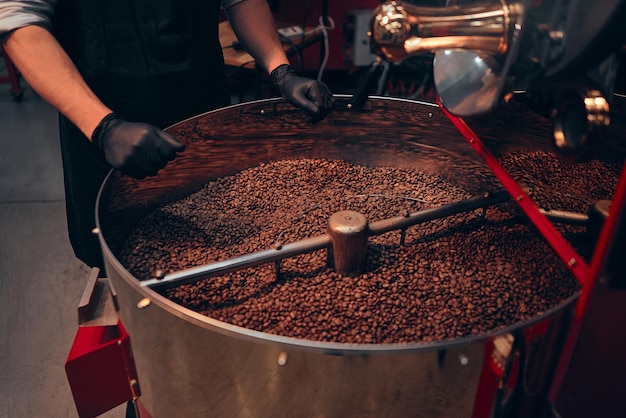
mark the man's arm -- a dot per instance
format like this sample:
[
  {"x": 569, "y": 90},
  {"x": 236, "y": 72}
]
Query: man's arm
[
  {"x": 137, "y": 149},
  {"x": 253, "y": 23},
  {"x": 50, "y": 72},
  {"x": 254, "y": 26}
]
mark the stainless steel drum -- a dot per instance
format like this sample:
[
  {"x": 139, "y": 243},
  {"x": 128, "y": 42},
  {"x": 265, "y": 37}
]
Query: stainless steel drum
[{"x": 192, "y": 365}]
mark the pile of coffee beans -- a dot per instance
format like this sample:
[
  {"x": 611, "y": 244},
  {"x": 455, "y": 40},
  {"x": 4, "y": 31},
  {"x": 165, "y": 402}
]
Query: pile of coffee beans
[{"x": 454, "y": 277}]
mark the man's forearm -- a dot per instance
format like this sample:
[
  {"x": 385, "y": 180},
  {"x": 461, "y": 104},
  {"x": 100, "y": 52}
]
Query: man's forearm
[
  {"x": 254, "y": 26},
  {"x": 50, "y": 72}
]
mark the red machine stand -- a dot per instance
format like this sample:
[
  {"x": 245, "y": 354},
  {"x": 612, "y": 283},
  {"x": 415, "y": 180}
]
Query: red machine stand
[
  {"x": 579, "y": 369},
  {"x": 12, "y": 77},
  {"x": 100, "y": 366},
  {"x": 590, "y": 377}
]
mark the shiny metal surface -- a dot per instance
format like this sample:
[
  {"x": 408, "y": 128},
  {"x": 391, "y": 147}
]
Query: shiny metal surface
[
  {"x": 577, "y": 114},
  {"x": 192, "y": 365},
  {"x": 238, "y": 263},
  {"x": 471, "y": 43},
  {"x": 348, "y": 231},
  {"x": 487, "y": 50},
  {"x": 399, "y": 29},
  {"x": 98, "y": 304},
  {"x": 468, "y": 83}
]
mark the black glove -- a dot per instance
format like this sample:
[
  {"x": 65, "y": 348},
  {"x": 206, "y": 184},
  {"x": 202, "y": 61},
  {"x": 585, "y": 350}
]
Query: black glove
[
  {"x": 311, "y": 95},
  {"x": 136, "y": 149}
]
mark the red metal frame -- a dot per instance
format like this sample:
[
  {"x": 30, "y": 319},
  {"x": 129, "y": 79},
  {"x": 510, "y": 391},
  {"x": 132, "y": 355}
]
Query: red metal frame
[
  {"x": 101, "y": 370},
  {"x": 563, "y": 249},
  {"x": 593, "y": 361},
  {"x": 12, "y": 76},
  {"x": 591, "y": 364}
]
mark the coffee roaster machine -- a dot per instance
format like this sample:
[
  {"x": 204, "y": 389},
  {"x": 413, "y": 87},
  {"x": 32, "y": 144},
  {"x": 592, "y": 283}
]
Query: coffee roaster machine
[{"x": 549, "y": 65}]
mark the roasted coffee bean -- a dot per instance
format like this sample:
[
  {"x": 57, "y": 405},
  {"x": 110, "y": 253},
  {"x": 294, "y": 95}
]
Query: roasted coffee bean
[{"x": 462, "y": 275}]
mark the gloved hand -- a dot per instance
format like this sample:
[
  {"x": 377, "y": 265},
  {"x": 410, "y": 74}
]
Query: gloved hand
[
  {"x": 136, "y": 149},
  {"x": 311, "y": 95}
]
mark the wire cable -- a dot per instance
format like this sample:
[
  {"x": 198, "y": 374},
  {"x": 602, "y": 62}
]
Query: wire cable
[{"x": 324, "y": 29}]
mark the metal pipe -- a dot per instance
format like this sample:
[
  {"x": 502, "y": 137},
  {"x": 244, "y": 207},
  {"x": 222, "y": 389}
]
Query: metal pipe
[
  {"x": 399, "y": 29},
  {"x": 320, "y": 242}
]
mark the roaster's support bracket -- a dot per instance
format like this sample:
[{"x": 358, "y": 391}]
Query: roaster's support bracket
[
  {"x": 591, "y": 369},
  {"x": 590, "y": 363},
  {"x": 563, "y": 249},
  {"x": 100, "y": 366}
]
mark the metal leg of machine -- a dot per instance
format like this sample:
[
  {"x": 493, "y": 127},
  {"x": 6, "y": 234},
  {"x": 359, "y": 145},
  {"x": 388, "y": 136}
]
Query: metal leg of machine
[{"x": 100, "y": 366}]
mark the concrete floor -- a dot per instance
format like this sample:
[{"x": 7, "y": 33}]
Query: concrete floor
[{"x": 41, "y": 281}]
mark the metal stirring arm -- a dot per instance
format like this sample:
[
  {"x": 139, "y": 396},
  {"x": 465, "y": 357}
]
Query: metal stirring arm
[{"x": 308, "y": 245}]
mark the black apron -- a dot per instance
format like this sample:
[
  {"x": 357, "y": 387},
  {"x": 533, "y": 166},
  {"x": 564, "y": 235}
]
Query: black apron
[{"x": 153, "y": 61}]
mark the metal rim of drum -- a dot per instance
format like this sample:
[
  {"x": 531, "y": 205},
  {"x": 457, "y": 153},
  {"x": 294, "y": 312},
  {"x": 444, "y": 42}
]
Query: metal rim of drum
[{"x": 324, "y": 347}]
